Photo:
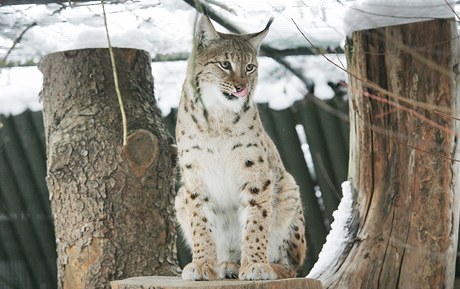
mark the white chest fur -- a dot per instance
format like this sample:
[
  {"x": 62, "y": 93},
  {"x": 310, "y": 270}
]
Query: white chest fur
[{"x": 215, "y": 164}]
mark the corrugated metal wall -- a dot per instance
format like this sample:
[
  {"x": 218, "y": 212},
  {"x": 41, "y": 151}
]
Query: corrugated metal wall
[{"x": 27, "y": 243}]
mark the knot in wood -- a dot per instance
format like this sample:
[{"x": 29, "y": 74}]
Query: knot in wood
[{"x": 141, "y": 151}]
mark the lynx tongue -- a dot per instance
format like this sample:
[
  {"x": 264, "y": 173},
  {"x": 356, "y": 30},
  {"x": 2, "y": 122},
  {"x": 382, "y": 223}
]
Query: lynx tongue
[{"x": 241, "y": 93}]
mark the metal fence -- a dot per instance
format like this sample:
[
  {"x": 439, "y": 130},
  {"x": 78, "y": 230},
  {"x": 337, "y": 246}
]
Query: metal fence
[{"x": 27, "y": 242}]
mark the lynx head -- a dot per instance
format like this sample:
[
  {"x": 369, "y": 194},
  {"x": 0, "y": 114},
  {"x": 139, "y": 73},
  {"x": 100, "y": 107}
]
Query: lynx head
[{"x": 223, "y": 67}]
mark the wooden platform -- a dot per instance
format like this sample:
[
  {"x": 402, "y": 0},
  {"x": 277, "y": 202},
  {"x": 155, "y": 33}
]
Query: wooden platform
[{"x": 156, "y": 282}]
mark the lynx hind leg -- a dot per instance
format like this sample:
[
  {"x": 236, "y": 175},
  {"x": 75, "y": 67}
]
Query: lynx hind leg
[
  {"x": 289, "y": 256},
  {"x": 296, "y": 244},
  {"x": 283, "y": 271},
  {"x": 181, "y": 216},
  {"x": 292, "y": 252},
  {"x": 288, "y": 247}
]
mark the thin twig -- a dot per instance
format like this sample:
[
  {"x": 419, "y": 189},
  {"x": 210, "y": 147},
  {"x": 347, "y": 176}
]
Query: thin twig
[
  {"x": 404, "y": 140},
  {"x": 411, "y": 111},
  {"x": 452, "y": 8},
  {"x": 115, "y": 79},
  {"x": 431, "y": 153},
  {"x": 18, "y": 40},
  {"x": 447, "y": 115}
]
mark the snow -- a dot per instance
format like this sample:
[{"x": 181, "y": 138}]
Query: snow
[
  {"x": 322, "y": 69},
  {"x": 338, "y": 236},
  {"x": 168, "y": 79},
  {"x": 369, "y": 14},
  {"x": 277, "y": 86},
  {"x": 164, "y": 27},
  {"x": 20, "y": 87},
  {"x": 96, "y": 38}
]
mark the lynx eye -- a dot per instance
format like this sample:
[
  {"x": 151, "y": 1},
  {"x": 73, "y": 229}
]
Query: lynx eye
[
  {"x": 225, "y": 65},
  {"x": 250, "y": 67}
]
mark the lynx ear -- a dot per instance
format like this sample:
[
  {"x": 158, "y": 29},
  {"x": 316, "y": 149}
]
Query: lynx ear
[
  {"x": 256, "y": 38},
  {"x": 205, "y": 31}
]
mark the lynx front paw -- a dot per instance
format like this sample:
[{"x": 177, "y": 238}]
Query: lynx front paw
[
  {"x": 227, "y": 270},
  {"x": 257, "y": 271},
  {"x": 195, "y": 272}
]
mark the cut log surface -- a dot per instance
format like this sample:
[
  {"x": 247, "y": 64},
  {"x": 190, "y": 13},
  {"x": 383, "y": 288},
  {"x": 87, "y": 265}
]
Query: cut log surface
[{"x": 154, "y": 282}]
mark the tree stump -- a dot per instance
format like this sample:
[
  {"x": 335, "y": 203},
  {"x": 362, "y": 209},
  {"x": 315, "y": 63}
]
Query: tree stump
[
  {"x": 404, "y": 161},
  {"x": 112, "y": 205},
  {"x": 177, "y": 283}
]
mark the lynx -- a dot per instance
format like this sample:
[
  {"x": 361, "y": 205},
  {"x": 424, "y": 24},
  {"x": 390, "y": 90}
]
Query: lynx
[{"x": 238, "y": 207}]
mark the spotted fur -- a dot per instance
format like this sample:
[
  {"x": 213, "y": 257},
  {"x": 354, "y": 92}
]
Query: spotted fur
[{"x": 238, "y": 208}]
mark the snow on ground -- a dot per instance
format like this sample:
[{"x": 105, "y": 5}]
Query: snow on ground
[
  {"x": 338, "y": 236},
  {"x": 369, "y": 14}
]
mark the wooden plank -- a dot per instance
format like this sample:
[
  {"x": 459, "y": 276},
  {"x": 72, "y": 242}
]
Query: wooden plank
[
  {"x": 335, "y": 145},
  {"x": 151, "y": 282},
  {"x": 269, "y": 125},
  {"x": 307, "y": 112},
  {"x": 341, "y": 105}
]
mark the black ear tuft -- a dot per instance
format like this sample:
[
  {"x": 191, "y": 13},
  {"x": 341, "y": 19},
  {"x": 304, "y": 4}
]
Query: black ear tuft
[
  {"x": 269, "y": 23},
  {"x": 256, "y": 38}
]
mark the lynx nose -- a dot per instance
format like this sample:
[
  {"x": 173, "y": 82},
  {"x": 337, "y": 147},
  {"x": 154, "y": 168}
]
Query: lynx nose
[
  {"x": 239, "y": 88},
  {"x": 241, "y": 91}
]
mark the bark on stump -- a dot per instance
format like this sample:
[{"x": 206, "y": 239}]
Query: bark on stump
[
  {"x": 404, "y": 230},
  {"x": 112, "y": 205}
]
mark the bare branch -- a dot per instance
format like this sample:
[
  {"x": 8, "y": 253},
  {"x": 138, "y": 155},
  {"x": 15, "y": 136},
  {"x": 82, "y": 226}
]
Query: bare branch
[
  {"x": 180, "y": 56},
  {"x": 18, "y": 40}
]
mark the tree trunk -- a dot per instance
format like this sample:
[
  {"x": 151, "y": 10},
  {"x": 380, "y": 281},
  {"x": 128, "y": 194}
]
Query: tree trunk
[
  {"x": 404, "y": 229},
  {"x": 112, "y": 205}
]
